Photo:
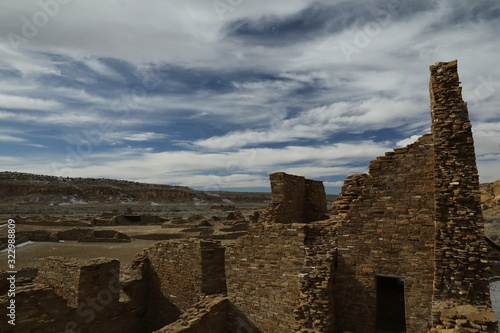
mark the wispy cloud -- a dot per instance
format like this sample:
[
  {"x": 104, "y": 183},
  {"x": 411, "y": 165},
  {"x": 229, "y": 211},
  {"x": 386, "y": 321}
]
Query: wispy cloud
[
  {"x": 182, "y": 92},
  {"x": 20, "y": 102},
  {"x": 10, "y": 138}
]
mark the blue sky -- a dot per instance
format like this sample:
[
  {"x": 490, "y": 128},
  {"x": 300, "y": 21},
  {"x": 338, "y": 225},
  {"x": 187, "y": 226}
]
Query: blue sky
[{"x": 218, "y": 94}]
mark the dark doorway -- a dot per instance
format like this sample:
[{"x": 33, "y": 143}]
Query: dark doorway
[
  {"x": 390, "y": 305},
  {"x": 132, "y": 218}
]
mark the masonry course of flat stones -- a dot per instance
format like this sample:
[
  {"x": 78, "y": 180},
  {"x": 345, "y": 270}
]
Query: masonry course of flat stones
[{"x": 414, "y": 217}]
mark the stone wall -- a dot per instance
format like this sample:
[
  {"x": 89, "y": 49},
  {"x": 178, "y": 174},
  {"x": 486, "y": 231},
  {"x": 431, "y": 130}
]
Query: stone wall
[
  {"x": 263, "y": 279},
  {"x": 63, "y": 274},
  {"x": 315, "y": 201},
  {"x": 460, "y": 251},
  {"x": 465, "y": 318},
  {"x": 208, "y": 315},
  {"x": 187, "y": 270},
  {"x": 75, "y": 296},
  {"x": 351, "y": 190},
  {"x": 279, "y": 278},
  {"x": 388, "y": 230},
  {"x": 295, "y": 199},
  {"x": 50, "y": 316},
  {"x": 315, "y": 312}
]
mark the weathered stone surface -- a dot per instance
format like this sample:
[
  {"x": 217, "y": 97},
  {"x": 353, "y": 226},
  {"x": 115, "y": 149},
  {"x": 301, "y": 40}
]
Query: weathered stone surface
[
  {"x": 415, "y": 216},
  {"x": 456, "y": 194},
  {"x": 295, "y": 200},
  {"x": 186, "y": 270},
  {"x": 208, "y": 315}
]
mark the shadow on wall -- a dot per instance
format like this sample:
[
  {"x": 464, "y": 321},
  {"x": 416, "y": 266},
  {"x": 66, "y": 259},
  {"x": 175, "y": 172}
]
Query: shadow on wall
[
  {"x": 238, "y": 322},
  {"x": 358, "y": 303},
  {"x": 159, "y": 310}
]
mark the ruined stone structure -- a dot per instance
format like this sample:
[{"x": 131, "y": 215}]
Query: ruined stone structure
[{"x": 402, "y": 251}]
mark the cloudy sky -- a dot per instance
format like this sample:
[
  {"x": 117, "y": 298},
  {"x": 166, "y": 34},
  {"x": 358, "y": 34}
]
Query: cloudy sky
[{"x": 217, "y": 94}]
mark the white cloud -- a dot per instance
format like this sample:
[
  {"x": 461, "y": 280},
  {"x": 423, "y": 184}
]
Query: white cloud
[
  {"x": 10, "y": 138},
  {"x": 146, "y": 136},
  {"x": 318, "y": 123},
  {"x": 206, "y": 169},
  {"x": 407, "y": 141},
  {"x": 318, "y": 91},
  {"x": 20, "y": 102}
]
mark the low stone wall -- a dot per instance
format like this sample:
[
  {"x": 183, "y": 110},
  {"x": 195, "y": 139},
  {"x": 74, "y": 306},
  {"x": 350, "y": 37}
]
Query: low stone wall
[
  {"x": 187, "y": 269},
  {"x": 208, "y": 315},
  {"x": 466, "y": 318},
  {"x": 50, "y": 317},
  {"x": 63, "y": 274},
  {"x": 75, "y": 296}
]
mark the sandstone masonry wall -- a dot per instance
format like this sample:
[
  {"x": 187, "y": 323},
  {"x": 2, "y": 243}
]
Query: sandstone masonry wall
[
  {"x": 51, "y": 314},
  {"x": 187, "y": 270},
  {"x": 388, "y": 231},
  {"x": 208, "y": 315},
  {"x": 460, "y": 251},
  {"x": 263, "y": 279},
  {"x": 295, "y": 199},
  {"x": 315, "y": 312},
  {"x": 63, "y": 274},
  {"x": 93, "y": 289},
  {"x": 279, "y": 277}
]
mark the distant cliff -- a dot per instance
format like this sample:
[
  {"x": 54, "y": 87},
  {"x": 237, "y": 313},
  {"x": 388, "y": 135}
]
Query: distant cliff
[
  {"x": 31, "y": 188},
  {"x": 490, "y": 195}
]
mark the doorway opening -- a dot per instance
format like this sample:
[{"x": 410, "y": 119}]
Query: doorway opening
[{"x": 390, "y": 305}]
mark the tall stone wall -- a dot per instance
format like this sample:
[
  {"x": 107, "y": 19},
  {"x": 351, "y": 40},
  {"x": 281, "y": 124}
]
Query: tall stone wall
[
  {"x": 99, "y": 279},
  {"x": 317, "y": 301},
  {"x": 461, "y": 265},
  {"x": 388, "y": 230},
  {"x": 78, "y": 280}
]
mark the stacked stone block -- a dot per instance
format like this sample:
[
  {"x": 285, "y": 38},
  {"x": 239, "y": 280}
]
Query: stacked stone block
[
  {"x": 460, "y": 251},
  {"x": 351, "y": 190},
  {"x": 63, "y": 274},
  {"x": 467, "y": 319},
  {"x": 295, "y": 200},
  {"x": 208, "y": 315},
  {"x": 263, "y": 275},
  {"x": 187, "y": 270},
  {"x": 280, "y": 277},
  {"x": 315, "y": 312},
  {"x": 38, "y": 309},
  {"x": 78, "y": 280},
  {"x": 388, "y": 230}
]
